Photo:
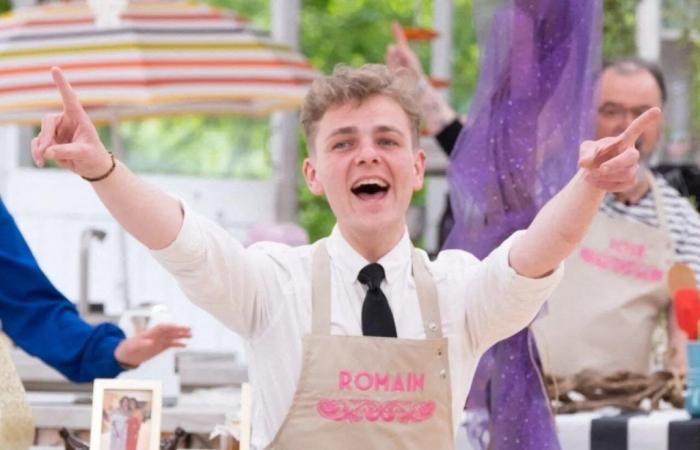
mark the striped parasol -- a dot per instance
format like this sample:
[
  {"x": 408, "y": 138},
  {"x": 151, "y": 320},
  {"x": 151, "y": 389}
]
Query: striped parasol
[{"x": 144, "y": 58}]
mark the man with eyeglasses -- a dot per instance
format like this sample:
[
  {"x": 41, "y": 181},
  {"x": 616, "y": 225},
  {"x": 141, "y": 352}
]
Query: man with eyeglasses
[
  {"x": 618, "y": 277},
  {"x": 604, "y": 313}
]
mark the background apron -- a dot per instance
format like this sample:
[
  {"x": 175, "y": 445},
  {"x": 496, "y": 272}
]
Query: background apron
[
  {"x": 361, "y": 393},
  {"x": 16, "y": 423},
  {"x": 604, "y": 312}
]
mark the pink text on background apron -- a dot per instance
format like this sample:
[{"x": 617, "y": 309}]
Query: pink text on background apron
[{"x": 622, "y": 257}]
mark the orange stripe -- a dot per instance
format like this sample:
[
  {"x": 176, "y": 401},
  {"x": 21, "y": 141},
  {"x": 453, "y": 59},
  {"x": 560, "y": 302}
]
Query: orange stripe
[
  {"x": 200, "y": 17},
  {"x": 158, "y": 82},
  {"x": 158, "y": 63}
]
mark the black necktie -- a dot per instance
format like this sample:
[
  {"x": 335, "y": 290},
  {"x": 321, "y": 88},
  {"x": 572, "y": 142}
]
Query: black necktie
[{"x": 377, "y": 319}]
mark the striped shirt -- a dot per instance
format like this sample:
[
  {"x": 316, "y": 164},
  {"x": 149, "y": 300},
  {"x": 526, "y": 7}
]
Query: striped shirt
[{"x": 683, "y": 220}]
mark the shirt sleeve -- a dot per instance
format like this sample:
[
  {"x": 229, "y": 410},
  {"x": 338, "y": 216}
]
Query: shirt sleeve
[
  {"x": 500, "y": 302},
  {"x": 41, "y": 321},
  {"x": 218, "y": 274},
  {"x": 447, "y": 137}
]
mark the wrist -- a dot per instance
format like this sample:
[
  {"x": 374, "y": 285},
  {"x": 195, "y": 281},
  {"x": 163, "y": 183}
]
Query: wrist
[
  {"x": 104, "y": 172},
  {"x": 127, "y": 366},
  {"x": 121, "y": 356}
]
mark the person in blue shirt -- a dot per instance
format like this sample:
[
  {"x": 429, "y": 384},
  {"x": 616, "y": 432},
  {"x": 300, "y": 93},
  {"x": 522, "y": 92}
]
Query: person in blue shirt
[{"x": 44, "y": 323}]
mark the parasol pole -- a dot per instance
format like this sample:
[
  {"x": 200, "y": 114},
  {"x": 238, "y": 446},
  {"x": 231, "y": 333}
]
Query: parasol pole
[{"x": 117, "y": 144}]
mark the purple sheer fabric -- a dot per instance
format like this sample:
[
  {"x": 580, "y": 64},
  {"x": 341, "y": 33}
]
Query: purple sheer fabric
[{"x": 533, "y": 106}]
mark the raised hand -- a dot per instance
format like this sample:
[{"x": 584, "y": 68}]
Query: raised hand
[
  {"x": 399, "y": 55},
  {"x": 611, "y": 163},
  {"x": 70, "y": 138},
  {"x": 141, "y": 347}
]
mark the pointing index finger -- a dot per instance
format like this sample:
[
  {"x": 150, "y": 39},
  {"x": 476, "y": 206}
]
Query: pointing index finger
[
  {"x": 70, "y": 100},
  {"x": 650, "y": 118},
  {"x": 399, "y": 35}
]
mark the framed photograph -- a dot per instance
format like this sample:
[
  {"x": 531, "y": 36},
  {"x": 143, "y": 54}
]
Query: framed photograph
[{"x": 126, "y": 415}]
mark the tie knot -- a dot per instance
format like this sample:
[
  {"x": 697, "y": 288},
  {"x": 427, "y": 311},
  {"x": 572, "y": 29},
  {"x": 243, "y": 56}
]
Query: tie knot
[{"x": 371, "y": 275}]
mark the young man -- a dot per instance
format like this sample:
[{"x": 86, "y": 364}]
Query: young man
[{"x": 329, "y": 369}]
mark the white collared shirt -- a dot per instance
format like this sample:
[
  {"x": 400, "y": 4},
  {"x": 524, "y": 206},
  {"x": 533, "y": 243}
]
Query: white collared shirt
[{"x": 263, "y": 293}]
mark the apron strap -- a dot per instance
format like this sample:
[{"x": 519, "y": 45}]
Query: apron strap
[
  {"x": 427, "y": 297},
  {"x": 660, "y": 209},
  {"x": 321, "y": 291},
  {"x": 321, "y": 294}
]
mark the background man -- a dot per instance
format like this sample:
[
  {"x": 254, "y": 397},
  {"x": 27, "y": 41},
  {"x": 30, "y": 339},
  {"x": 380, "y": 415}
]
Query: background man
[{"x": 600, "y": 318}]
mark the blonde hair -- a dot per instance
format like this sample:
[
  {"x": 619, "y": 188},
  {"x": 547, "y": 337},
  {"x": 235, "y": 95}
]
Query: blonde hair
[{"x": 355, "y": 85}]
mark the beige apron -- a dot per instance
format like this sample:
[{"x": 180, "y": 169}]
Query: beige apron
[
  {"x": 16, "y": 423},
  {"x": 362, "y": 393},
  {"x": 604, "y": 313}
]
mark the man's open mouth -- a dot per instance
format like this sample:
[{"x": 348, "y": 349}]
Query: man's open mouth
[{"x": 370, "y": 188}]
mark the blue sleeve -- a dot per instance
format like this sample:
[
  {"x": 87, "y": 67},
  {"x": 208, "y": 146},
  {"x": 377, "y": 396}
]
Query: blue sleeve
[{"x": 41, "y": 321}]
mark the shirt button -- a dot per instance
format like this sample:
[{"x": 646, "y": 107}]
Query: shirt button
[
  {"x": 443, "y": 373},
  {"x": 432, "y": 326},
  {"x": 439, "y": 352}
]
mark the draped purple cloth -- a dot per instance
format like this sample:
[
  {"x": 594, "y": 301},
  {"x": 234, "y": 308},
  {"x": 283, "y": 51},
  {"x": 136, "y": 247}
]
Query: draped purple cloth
[{"x": 533, "y": 106}]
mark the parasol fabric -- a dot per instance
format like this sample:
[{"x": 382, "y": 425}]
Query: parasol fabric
[{"x": 152, "y": 57}]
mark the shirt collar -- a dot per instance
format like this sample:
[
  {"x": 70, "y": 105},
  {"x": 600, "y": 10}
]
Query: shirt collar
[{"x": 351, "y": 262}]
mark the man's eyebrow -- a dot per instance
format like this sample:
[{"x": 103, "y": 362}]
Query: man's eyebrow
[
  {"x": 385, "y": 128},
  {"x": 342, "y": 130}
]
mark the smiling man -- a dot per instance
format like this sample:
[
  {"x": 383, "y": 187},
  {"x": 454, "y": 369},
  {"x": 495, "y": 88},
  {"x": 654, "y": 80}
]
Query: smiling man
[{"x": 358, "y": 340}]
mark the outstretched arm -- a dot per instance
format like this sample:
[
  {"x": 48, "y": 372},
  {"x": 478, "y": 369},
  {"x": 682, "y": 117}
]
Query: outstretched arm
[
  {"x": 606, "y": 165},
  {"x": 214, "y": 270},
  {"x": 149, "y": 214}
]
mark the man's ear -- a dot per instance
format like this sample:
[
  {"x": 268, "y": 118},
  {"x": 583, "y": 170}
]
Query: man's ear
[
  {"x": 311, "y": 178},
  {"x": 419, "y": 168}
]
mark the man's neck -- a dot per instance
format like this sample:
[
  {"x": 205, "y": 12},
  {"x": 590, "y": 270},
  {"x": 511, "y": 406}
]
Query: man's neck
[
  {"x": 636, "y": 192},
  {"x": 373, "y": 246}
]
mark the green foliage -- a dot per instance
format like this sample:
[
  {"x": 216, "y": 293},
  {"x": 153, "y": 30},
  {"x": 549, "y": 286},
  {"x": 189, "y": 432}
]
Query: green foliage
[
  {"x": 619, "y": 28},
  {"x": 195, "y": 145},
  {"x": 465, "y": 59},
  {"x": 5, "y": 5}
]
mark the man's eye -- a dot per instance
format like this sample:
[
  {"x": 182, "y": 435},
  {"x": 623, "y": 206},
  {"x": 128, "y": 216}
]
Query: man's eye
[
  {"x": 341, "y": 145},
  {"x": 636, "y": 112},
  {"x": 610, "y": 110},
  {"x": 384, "y": 142}
]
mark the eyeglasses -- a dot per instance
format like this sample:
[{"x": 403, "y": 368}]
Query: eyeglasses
[{"x": 615, "y": 111}]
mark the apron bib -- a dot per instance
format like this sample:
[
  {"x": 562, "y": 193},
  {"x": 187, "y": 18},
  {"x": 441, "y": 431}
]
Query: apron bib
[
  {"x": 604, "y": 313},
  {"x": 360, "y": 393}
]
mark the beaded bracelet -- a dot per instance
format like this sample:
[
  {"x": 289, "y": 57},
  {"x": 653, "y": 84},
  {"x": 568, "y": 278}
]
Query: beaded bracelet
[{"x": 106, "y": 174}]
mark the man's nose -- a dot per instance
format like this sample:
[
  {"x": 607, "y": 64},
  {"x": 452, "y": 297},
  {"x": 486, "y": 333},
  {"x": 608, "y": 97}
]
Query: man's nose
[{"x": 367, "y": 153}]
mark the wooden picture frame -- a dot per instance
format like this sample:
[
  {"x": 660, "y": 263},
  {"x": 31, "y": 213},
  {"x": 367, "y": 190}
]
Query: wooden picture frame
[{"x": 126, "y": 414}]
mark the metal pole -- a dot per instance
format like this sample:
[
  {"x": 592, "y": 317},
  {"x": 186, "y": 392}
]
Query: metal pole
[
  {"x": 117, "y": 144},
  {"x": 648, "y": 30},
  {"x": 441, "y": 49},
  {"x": 284, "y": 136}
]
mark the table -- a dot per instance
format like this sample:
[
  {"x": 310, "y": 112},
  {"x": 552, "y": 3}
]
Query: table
[
  {"x": 196, "y": 412},
  {"x": 671, "y": 429}
]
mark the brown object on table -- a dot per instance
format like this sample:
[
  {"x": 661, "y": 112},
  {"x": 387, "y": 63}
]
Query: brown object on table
[
  {"x": 73, "y": 443},
  {"x": 172, "y": 442},
  {"x": 624, "y": 390},
  {"x": 680, "y": 276}
]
